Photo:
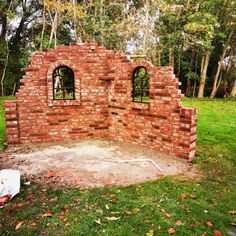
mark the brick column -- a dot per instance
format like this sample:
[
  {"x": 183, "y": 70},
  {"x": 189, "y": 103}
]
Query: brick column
[
  {"x": 187, "y": 133},
  {"x": 12, "y": 123}
]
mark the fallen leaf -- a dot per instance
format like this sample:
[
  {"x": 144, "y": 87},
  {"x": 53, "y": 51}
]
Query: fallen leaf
[
  {"x": 112, "y": 218},
  {"x": 217, "y": 232},
  {"x": 171, "y": 230},
  {"x": 63, "y": 218},
  {"x": 51, "y": 174},
  {"x": 53, "y": 199},
  {"x": 209, "y": 224},
  {"x": 47, "y": 214},
  {"x": 30, "y": 197},
  {"x": 115, "y": 213},
  {"x": 150, "y": 233},
  {"x": 221, "y": 180},
  {"x": 98, "y": 222},
  {"x": 168, "y": 215},
  {"x": 1, "y": 226},
  {"x": 159, "y": 174},
  {"x": 21, "y": 204},
  {"x": 204, "y": 234},
  {"x": 18, "y": 225},
  {"x": 4, "y": 200},
  {"x": 128, "y": 212},
  {"x": 183, "y": 196},
  {"x": 33, "y": 225},
  {"x": 193, "y": 196},
  {"x": 88, "y": 207},
  {"x": 192, "y": 226},
  {"x": 107, "y": 207},
  {"x": 112, "y": 195},
  {"x": 77, "y": 200},
  {"x": 103, "y": 194},
  {"x": 233, "y": 223},
  {"x": 159, "y": 227},
  {"x": 225, "y": 190},
  {"x": 178, "y": 222},
  {"x": 99, "y": 211},
  {"x": 232, "y": 212},
  {"x": 136, "y": 209}
]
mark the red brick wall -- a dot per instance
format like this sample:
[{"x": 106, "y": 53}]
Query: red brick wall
[{"x": 103, "y": 104}]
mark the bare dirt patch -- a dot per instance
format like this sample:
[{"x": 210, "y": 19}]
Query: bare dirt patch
[{"x": 92, "y": 163}]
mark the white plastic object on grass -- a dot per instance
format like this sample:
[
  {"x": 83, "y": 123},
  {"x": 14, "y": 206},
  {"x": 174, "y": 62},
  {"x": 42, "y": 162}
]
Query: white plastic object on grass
[{"x": 9, "y": 185}]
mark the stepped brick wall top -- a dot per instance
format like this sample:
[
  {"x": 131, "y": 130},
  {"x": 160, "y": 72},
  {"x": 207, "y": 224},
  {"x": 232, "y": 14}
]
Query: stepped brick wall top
[{"x": 103, "y": 105}]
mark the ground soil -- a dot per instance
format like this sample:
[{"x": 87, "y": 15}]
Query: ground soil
[{"x": 92, "y": 163}]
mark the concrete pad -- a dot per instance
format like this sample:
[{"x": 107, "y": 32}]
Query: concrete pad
[{"x": 92, "y": 163}]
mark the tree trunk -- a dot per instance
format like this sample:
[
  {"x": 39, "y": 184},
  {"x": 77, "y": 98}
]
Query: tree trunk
[
  {"x": 75, "y": 21},
  {"x": 188, "y": 89},
  {"x": 159, "y": 58},
  {"x": 4, "y": 41},
  {"x": 4, "y": 73},
  {"x": 171, "y": 57},
  {"x": 43, "y": 29},
  {"x": 102, "y": 22},
  {"x": 233, "y": 91},
  {"x": 216, "y": 84},
  {"x": 179, "y": 60},
  {"x": 194, "y": 88},
  {"x": 14, "y": 89},
  {"x": 145, "y": 31},
  {"x": 52, "y": 27},
  {"x": 205, "y": 64}
]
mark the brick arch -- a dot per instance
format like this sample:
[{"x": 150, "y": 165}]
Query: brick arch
[
  {"x": 148, "y": 65},
  {"x": 58, "y": 64},
  {"x": 49, "y": 79}
]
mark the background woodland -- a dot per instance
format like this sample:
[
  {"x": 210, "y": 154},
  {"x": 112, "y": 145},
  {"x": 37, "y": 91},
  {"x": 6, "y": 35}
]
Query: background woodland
[{"x": 196, "y": 37}]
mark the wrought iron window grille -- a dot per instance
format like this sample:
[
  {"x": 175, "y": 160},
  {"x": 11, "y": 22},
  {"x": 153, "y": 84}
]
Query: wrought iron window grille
[
  {"x": 141, "y": 85},
  {"x": 63, "y": 84}
]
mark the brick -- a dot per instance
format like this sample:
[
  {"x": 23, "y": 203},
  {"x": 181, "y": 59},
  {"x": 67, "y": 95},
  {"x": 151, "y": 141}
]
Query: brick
[{"x": 103, "y": 106}]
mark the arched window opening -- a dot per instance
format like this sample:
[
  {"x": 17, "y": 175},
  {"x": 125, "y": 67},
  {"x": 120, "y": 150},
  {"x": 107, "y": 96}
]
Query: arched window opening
[
  {"x": 141, "y": 85},
  {"x": 63, "y": 84}
]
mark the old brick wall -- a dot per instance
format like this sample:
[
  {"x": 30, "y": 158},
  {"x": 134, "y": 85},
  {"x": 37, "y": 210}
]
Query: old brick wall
[{"x": 103, "y": 104}]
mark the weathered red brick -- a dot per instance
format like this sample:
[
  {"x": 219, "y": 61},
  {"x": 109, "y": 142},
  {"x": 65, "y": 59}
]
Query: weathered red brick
[{"x": 103, "y": 106}]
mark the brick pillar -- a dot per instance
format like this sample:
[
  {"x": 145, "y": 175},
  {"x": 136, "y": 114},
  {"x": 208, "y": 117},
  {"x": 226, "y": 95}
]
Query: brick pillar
[
  {"x": 187, "y": 133},
  {"x": 12, "y": 123}
]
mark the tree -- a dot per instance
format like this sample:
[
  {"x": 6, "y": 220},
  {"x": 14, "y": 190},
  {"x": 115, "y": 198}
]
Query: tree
[{"x": 225, "y": 39}]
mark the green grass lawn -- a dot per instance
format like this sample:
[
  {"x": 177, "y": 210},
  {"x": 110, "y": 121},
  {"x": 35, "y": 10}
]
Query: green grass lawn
[{"x": 188, "y": 206}]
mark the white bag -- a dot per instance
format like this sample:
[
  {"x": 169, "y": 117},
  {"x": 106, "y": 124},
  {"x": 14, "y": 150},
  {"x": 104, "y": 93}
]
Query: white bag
[{"x": 9, "y": 184}]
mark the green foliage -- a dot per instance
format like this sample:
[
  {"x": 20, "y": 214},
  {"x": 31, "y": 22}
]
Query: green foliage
[
  {"x": 2, "y": 121},
  {"x": 3, "y": 52},
  {"x": 169, "y": 32},
  {"x": 192, "y": 75},
  {"x": 200, "y": 30}
]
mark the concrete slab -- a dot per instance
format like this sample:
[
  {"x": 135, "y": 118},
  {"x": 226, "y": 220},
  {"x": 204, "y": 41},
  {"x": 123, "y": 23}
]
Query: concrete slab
[{"x": 92, "y": 163}]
